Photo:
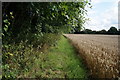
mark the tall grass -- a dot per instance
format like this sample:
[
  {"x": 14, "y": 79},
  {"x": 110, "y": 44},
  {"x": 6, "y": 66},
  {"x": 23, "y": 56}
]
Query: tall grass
[
  {"x": 60, "y": 61},
  {"x": 63, "y": 59},
  {"x": 48, "y": 60}
]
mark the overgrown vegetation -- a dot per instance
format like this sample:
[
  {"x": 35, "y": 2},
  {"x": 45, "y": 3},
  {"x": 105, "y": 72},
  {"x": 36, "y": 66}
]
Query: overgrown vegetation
[
  {"x": 29, "y": 29},
  {"x": 59, "y": 61},
  {"x": 20, "y": 58}
]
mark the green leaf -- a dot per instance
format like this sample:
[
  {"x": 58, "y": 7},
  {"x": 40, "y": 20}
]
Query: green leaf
[
  {"x": 8, "y": 23},
  {"x": 5, "y": 21},
  {"x": 5, "y": 29},
  {"x": 11, "y": 13},
  {"x": 3, "y": 34}
]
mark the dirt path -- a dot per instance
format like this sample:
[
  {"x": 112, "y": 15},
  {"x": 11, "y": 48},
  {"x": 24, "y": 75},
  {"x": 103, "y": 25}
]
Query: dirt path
[{"x": 100, "y": 53}]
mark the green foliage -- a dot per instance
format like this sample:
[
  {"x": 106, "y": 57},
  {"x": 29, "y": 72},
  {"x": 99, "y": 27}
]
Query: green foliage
[
  {"x": 31, "y": 28},
  {"x": 18, "y": 59},
  {"x": 60, "y": 61},
  {"x": 24, "y": 19}
]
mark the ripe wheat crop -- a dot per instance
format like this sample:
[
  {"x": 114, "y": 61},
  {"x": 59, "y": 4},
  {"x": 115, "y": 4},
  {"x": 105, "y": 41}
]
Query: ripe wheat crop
[{"x": 100, "y": 53}]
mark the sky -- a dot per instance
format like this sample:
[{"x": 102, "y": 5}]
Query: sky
[{"x": 102, "y": 15}]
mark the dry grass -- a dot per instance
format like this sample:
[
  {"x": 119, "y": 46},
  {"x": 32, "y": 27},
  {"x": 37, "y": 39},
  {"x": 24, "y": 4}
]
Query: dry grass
[{"x": 100, "y": 53}]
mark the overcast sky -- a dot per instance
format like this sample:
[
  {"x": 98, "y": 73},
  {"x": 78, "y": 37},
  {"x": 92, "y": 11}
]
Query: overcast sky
[{"x": 103, "y": 15}]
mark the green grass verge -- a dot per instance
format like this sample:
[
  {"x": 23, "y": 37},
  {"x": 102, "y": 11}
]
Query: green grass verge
[{"x": 60, "y": 62}]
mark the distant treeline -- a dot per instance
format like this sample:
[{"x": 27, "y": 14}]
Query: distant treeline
[{"x": 112, "y": 31}]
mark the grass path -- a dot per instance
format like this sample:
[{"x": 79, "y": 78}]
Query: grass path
[{"x": 60, "y": 62}]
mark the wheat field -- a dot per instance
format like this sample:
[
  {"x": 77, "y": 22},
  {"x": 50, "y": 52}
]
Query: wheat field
[{"x": 99, "y": 52}]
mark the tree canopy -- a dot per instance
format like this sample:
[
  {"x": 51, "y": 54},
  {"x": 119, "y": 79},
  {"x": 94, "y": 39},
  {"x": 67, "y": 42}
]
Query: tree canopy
[
  {"x": 36, "y": 18},
  {"x": 112, "y": 30}
]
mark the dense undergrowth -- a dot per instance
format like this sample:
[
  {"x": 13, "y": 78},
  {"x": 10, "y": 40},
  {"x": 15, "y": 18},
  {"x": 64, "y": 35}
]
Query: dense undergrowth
[
  {"x": 18, "y": 58},
  {"x": 59, "y": 61}
]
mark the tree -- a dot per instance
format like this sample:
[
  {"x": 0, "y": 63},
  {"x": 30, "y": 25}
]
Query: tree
[
  {"x": 112, "y": 30},
  {"x": 88, "y": 31},
  {"x": 29, "y": 19},
  {"x": 102, "y": 31}
]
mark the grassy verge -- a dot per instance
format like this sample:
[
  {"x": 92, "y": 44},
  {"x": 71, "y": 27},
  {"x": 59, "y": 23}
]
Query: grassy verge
[{"x": 61, "y": 62}]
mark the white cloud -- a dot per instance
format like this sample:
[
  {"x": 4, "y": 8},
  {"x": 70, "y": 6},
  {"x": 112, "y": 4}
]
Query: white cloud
[
  {"x": 95, "y": 23},
  {"x": 91, "y": 12},
  {"x": 110, "y": 16},
  {"x": 100, "y": 1},
  {"x": 105, "y": 19}
]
